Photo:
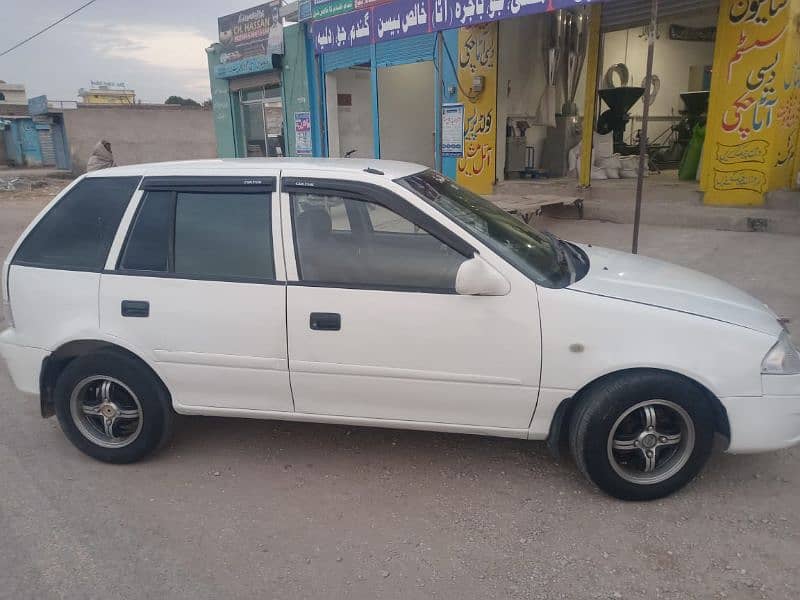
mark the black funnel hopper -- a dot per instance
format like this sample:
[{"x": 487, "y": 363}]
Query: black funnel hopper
[
  {"x": 621, "y": 99},
  {"x": 696, "y": 102}
]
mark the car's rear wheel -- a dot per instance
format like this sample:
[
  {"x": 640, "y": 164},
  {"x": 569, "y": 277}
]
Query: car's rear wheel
[
  {"x": 112, "y": 407},
  {"x": 643, "y": 435}
]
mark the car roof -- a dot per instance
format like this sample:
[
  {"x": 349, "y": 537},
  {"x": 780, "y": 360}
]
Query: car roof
[{"x": 254, "y": 166}]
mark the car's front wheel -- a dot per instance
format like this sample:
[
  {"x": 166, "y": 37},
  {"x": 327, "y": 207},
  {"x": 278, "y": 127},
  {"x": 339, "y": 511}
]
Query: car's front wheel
[
  {"x": 112, "y": 407},
  {"x": 643, "y": 435}
]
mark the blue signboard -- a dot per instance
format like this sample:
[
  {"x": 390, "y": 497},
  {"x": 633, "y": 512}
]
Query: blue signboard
[
  {"x": 400, "y": 18},
  {"x": 345, "y": 31},
  {"x": 304, "y": 10},
  {"x": 405, "y": 18}
]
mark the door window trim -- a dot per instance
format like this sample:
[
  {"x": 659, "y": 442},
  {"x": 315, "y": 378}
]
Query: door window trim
[
  {"x": 265, "y": 186},
  {"x": 366, "y": 192}
]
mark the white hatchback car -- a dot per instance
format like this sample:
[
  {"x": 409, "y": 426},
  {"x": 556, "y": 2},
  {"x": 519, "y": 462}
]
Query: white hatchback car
[{"x": 382, "y": 294}]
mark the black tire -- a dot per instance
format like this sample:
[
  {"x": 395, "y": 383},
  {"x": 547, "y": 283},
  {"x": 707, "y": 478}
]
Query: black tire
[
  {"x": 156, "y": 407},
  {"x": 607, "y": 401}
]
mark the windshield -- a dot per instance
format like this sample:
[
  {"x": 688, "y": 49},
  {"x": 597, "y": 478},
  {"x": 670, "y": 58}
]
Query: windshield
[{"x": 538, "y": 255}]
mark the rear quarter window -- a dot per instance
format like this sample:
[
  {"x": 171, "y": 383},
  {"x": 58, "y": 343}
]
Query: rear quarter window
[{"x": 76, "y": 234}]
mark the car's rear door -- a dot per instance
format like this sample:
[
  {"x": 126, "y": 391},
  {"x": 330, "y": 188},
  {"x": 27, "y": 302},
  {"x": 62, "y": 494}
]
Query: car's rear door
[
  {"x": 198, "y": 284},
  {"x": 375, "y": 327}
]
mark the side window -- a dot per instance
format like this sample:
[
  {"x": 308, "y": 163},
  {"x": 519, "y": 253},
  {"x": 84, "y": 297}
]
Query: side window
[
  {"x": 333, "y": 205},
  {"x": 364, "y": 255},
  {"x": 77, "y": 232},
  {"x": 223, "y": 235},
  {"x": 214, "y": 235},
  {"x": 149, "y": 241},
  {"x": 382, "y": 219}
]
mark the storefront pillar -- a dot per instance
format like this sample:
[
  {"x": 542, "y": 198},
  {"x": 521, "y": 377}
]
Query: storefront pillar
[
  {"x": 753, "y": 127},
  {"x": 313, "y": 74},
  {"x": 590, "y": 96},
  {"x": 477, "y": 52},
  {"x": 449, "y": 89},
  {"x": 221, "y": 106}
]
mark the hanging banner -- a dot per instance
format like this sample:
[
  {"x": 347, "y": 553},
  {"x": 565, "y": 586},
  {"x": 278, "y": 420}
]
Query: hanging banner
[
  {"x": 405, "y": 18},
  {"x": 453, "y": 130}
]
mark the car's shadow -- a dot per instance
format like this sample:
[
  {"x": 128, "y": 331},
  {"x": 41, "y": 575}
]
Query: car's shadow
[{"x": 334, "y": 449}]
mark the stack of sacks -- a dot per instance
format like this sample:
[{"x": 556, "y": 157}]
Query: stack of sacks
[{"x": 606, "y": 164}]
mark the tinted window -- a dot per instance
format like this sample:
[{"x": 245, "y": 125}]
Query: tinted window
[
  {"x": 382, "y": 219},
  {"x": 529, "y": 250},
  {"x": 78, "y": 231},
  {"x": 333, "y": 205},
  {"x": 223, "y": 235},
  {"x": 363, "y": 256},
  {"x": 148, "y": 245}
]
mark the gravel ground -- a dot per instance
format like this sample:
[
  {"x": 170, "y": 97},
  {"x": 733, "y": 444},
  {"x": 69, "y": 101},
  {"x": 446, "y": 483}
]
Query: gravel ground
[{"x": 258, "y": 509}]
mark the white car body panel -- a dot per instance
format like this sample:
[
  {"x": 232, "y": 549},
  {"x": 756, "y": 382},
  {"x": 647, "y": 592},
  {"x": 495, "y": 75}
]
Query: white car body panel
[
  {"x": 56, "y": 305},
  {"x": 417, "y": 357},
  {"x": 208, "y": 354},
  {"x": 497, "y": 365},
  {"x": 658, "y": 283},
  {"x": 408, "y": 356}
]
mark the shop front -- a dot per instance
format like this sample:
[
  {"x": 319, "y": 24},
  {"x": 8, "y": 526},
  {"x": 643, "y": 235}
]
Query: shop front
[
  {"x": 245, "y": 70},
  {"x": 420, "y": 81}
]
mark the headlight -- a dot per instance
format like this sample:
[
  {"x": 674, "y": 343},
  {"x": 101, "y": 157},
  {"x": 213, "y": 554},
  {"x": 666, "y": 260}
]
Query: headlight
[{"x": 783, "y": 358}]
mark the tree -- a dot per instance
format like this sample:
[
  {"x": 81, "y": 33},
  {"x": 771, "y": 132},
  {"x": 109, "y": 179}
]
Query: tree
[{"x": 181, "y": 101}]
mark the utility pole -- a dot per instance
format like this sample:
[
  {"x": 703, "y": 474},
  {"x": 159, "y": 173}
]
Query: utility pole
[{"x": 651, "y": 42}]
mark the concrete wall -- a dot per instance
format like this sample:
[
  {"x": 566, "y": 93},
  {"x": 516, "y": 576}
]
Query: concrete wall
[
  {"x": 140, "y": 133},
  {"x": 407, "y": 112}
]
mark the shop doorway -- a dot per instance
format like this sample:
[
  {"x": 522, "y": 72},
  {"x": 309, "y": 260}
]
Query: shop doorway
[
  {"x": 407, "y": 112},
  {"x": 349, "y": 106},
  {"x": 262, "y": 121}
]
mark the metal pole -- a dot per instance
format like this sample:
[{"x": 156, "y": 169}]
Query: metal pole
[
  {"x": 651, "y": 42},
  {"x": 593, "y": 65},
  {"x": 437, "y": 135}
]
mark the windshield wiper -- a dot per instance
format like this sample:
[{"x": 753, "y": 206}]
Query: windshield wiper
[{"x": 562, "y": 257}]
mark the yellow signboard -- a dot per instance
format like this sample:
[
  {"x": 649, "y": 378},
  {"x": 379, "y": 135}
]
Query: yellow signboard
[
  {"x": 754, "y": 111},
  {"x": 477, "y": 68}
]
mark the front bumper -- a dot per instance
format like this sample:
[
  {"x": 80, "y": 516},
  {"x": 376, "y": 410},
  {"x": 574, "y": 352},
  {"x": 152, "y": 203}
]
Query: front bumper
[
  {"x": 24, "y": 362},
  {"x": 768, "y": 422}
]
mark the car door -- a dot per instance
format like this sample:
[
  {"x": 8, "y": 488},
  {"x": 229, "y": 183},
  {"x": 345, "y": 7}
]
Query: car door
[
  {"x": 196, "y": 285},
  {"x": 375, "y": 327}
]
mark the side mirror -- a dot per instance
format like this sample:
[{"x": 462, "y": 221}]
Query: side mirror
[{"x": 476, "y": 277}]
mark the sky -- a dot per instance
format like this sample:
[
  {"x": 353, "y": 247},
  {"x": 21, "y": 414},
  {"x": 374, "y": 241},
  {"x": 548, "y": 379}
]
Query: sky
[{"x": 156, "y": 47}]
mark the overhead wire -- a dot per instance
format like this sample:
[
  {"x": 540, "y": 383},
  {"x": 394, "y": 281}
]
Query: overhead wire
[{"x": 41, "y": 31}]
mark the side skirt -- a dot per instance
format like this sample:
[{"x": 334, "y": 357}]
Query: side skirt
[{"x": 355, "y": 421}]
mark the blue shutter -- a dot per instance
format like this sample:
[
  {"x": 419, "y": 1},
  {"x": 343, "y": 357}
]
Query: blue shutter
[
  {"x": 414, "y": 49},
  {"x": 342, "y": 59}
]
